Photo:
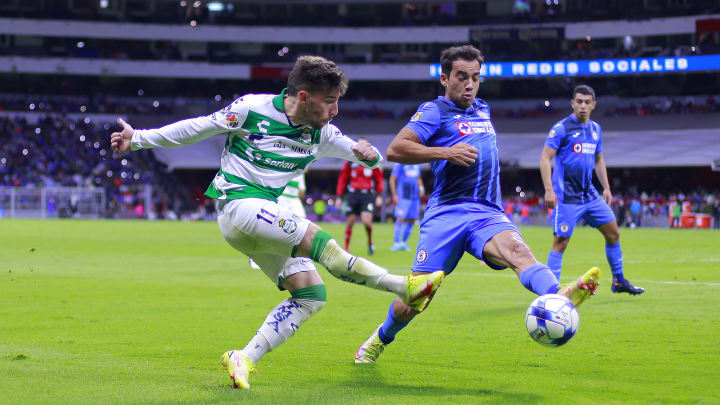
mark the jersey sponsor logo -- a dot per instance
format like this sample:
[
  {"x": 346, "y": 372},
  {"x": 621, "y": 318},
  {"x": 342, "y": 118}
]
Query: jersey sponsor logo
[
  {"x": 585, "y": 147},
  {"x": 483, "y": 115},
  {"x": 417, "y": 116},
  {"x": 298, "y": 149},
  {"x": 475, "y": 127},
  {"x": 288, "y": 225},
  {"x": 422, "y": 255},
  {"x": 232, "y": 120}
]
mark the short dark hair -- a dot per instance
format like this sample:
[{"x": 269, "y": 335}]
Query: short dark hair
[
  {"x": 583, "y": 89},
  {"x": 464, "y": 52},
  {"x": 315, "y": 73}
]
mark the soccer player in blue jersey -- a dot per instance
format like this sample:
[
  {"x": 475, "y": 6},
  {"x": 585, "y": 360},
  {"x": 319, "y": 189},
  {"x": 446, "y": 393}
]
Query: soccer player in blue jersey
[
  {"x": 406, "y": 189},
  {"x": 464, "y": 213},
  {"x": 576, "y": 144}
]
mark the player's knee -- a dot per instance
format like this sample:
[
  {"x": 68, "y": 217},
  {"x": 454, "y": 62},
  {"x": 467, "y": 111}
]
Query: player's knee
[{"x": 312, "y": 298}]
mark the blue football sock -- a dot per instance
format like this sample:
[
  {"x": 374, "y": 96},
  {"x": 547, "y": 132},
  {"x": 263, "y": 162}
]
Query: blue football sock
[
  {"x": 407, "y": 230},
  {"x": 390, "y": 327},
  {"x": 614, "y": 258},
  {"x": 398, "y": 232},
  {"x": 539, "y": 279},
  {"x": 554, "y": 262}
]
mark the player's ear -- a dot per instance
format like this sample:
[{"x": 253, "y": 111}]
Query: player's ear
[
  {"x": 302, "y": 96},
  {"x": 443, "y": 79}
]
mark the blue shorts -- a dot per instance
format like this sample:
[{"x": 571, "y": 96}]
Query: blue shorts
[
  {"x": 407, "y": 209},
  {"x": 448, "y": 231},
  {"x": 595, "y": 213}
]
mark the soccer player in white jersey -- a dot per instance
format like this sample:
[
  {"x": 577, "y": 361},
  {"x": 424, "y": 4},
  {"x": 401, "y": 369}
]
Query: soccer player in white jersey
[{"x": 270, "y": 139}]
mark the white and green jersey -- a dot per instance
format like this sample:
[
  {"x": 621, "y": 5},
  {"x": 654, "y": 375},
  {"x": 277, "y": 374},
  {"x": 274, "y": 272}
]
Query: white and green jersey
[{"x": 263, "y": 151}]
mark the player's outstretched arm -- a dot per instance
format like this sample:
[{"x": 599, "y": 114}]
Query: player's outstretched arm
[
  {"x": 120, "y": 141},
  {"x": 546, "y": 158},
  {"x": 407, "y": 148}
]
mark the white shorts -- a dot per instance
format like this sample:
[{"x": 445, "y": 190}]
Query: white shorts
[{"x": 267, "y": 233}]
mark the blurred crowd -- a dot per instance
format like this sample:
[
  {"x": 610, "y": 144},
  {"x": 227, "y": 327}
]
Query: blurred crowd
[{"x": 64, "y": 152}]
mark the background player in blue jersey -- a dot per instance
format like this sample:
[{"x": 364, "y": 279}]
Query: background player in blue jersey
[
  {"x": 576, "y": 144},
  {"x": 406, "y": 190},
  {"x": 464, "y": 213}
]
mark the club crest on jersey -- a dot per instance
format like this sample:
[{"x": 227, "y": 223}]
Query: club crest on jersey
[
  {"x": 422, "y": 255},
  {"x": 464, "y": 128},
  {"x": 232, "y": 120},
  {"x": 416, "y": 117},
  {"x": 288, "y": 225},
  {"x": 595, "y": 135},
  {"x": 552, "y": 134}
]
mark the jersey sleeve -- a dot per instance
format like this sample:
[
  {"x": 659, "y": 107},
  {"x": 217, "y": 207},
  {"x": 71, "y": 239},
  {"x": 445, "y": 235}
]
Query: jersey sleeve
[
  {"x": 556, "y": 136},
  {"x": 379, "y": 180},
  {"x": 425, "y": 122},
  {"x": 343, "y": 179},
  {"x": 191, "y": 130},
  {"x": 334, "y": 143},
  {"x": 598, "y": 148}
]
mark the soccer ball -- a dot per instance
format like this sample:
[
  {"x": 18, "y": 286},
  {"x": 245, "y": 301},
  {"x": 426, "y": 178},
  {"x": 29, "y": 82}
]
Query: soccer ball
[{"x": 552, "y": 320}]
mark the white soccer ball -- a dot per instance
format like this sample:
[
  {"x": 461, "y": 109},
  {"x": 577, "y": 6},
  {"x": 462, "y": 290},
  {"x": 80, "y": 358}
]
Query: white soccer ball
[{"x": 552, "y": 320}]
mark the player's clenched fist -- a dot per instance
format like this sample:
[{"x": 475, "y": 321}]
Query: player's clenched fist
[
  {"x": 120, "y": 141},
  {"x": 462, "y": 154},
  {"x": 364, "y": 151}
]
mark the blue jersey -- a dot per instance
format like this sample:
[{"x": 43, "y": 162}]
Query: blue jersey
[
  {"x": 407, "y": 181},
  {"x": 440, "y": 123},
  {"x": 576, "y": 145}
]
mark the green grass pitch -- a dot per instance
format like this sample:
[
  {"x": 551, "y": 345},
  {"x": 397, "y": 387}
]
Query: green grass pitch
[{"x": 138, "y": 312}]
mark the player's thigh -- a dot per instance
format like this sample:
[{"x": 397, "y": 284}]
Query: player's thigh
[
  {"x": 281, "y": 268},
  {"x": 407, "y": 209},
  {"x": 598, "y": 213},
  {"x": 293, "y": 204},
  {"x": 255, "y": 226},
  {"x": 565, "y": 217},
  {"x": 367, "y": 203},
  {"x": 442, "y": 241},
  {"x": 508, "y": 249},
  {"x": 493, "y": 237}
]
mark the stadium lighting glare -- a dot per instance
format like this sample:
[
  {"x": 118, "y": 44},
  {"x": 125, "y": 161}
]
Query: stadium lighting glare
[
  {"x": 215, "y": 6},
  {"x": 82, "y": 138},
  {"x": 156, "y": 104},
  {"x": 547, "y": 103},
  {"x": 123, "y": 175},
  {"x": 109, "y": 173},
  {"x": 123, "y": 162},
  {"x": 141, "y": 92},
  {"x": 692, "y": 49},
  {"x": 31, "y": 106},
  {"x": 588, "y": 38},
  {"x": 136, "y": 176},
  {"x": 218, "y": 97},
  {"x": 183, "y": 3},
  {"x": 83, "y": 108},
  {"x": 522, "y": 194},
  {"x": 86, "y": 120},
  {"x": 81, "y": 44},
  {"x": 518, "y": 189},
  {"x": 197, "y": 4},
  {"x": 96, "y": 145},
  {"x": 3, "y": 160},
  {"x": 102, "y": 152},
  {"x": 25, "y": 152},
  {"x": 193, "y": 23},
  {"x": 38, "y": 130}
]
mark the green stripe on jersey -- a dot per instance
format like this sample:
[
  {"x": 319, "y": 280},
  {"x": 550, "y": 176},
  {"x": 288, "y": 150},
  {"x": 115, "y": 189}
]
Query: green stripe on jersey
[
  {"x": 248, "y": 189},
  {"x": 267, "y": 160}
]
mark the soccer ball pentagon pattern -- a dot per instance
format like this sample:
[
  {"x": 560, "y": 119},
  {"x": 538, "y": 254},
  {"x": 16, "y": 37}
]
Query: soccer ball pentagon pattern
[{"x": 552, "y": 320}]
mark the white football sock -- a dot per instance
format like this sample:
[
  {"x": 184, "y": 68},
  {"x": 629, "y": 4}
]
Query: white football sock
[
  {"x": 347, "y": 267},
  {"x": 280, "y": 324}
]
